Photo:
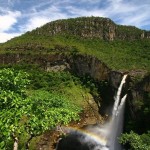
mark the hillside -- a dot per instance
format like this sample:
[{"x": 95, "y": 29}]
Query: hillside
[{"x": 120, "y": 47}]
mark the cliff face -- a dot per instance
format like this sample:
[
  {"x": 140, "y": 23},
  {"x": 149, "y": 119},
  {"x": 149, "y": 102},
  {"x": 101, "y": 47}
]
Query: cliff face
[
  {"x": 139, "y": 102},
  {"x": 79, "y": 64},
  {"x": 87, "y": 65},
  {"x": 89, "y": 27},
  {"x": 92, "y": 27}
]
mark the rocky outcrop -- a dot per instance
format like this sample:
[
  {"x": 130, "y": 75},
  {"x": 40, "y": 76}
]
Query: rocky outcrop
[
  {"x": 84, "y": 65},
  {"x": 147, "y": 34},
  {"x": 92, "y": 27},
  {"x": 144, "y": 83},
  {"x": 81, "y": 65},
  {"x": 89, "y": 27},
  {"x": 138, "y": 102},
  {"x": 115, "y": 78}
]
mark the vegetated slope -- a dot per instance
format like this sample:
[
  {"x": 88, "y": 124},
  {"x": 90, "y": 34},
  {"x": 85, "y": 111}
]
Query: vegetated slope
[
  {"x": 51, "y": 89},
  {"x": 120, "y": 47}
]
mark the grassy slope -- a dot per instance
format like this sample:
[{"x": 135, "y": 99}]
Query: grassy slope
[
  {"x": 120, "y": 55},
  {"x": 123, "y": 55}
]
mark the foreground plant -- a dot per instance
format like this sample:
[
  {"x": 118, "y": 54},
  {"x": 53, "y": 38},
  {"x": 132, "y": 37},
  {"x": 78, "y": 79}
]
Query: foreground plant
[
  {"x": 134, "y": 141},
  {"x": 12, "y": 105},
  {"x": 32, "y": 115},
  {"x": 46, "y": 112}
]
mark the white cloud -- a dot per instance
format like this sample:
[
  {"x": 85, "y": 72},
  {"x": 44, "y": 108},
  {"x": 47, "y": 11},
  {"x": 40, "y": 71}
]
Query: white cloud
[
  {"x": 132, "y": 12},
  {"x": 10, "y": 2},
  {"x": 8, "y": 20},
  {"x": 39, "y": 18},
  {"x": 137, "y": 19},
  {"x": 34, "y": 23},
  {"x": 7, "y": 36}
]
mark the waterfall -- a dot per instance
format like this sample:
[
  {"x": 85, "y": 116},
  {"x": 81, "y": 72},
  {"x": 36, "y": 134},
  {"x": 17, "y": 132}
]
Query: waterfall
[
  {"x": 101, "y": 137},
  {"x": 116, "y": 123},
  {"x": 117, "y": 97}
]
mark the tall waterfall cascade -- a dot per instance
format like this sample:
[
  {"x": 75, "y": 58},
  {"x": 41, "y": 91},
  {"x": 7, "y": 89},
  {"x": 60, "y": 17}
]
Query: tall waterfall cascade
[
  {"x": 103, "y": 137},
  {"x": 113, "y": 129},
  {"x": 116, "y": 123}
]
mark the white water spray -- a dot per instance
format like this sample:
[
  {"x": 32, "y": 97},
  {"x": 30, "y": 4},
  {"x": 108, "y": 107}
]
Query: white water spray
[
  {"x": 106, "y": 137},
  {"x": 117, "y": 97},
  {"x": 115, "y": 126},
  {"x": 113, "y": 129}
]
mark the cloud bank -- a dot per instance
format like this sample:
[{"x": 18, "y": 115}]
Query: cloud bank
[{"x": 18, "y": 17}]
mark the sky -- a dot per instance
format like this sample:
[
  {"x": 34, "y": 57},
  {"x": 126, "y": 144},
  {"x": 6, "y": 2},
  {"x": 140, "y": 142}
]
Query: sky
[{"x": 20, "y": 16}]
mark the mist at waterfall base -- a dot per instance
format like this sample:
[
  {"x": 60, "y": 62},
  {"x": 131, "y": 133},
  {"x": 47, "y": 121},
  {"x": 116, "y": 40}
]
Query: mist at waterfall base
[{"x": 98, "y": 137}]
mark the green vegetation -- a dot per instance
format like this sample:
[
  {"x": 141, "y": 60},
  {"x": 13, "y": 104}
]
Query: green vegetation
[
  {"x": 122, "y": 55},
  {"x": 133, "y": 141},
  {"x": 48, "y": 111},
  {"x": 29, "y": 112},
  {"x": 33, "y": 101},
  {"x": 12, "y": 102}
]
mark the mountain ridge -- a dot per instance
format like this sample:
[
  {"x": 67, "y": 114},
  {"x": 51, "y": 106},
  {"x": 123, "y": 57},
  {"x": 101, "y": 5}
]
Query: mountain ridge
[
  {"x": 113, "y": 31},
  {"x": 120, "y": 47},
  {"x": 92, "y": 27}
]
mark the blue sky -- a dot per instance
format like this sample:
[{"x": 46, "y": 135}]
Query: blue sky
[{"x": 20, "y": 16}]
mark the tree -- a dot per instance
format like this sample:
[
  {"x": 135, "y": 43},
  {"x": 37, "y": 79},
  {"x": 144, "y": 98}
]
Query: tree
[
  {"x": 31, "y": 114},
  {"x": 12, "y": 104},
  {"x": 134, "y": 141},
  {"x": 48, "y": 110}
]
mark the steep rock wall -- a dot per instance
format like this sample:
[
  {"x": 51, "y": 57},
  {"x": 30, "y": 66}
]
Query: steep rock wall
[
  {"x": 80, "y": 64},
  {"x": 87, "y": 65},
  {"x": 139, "y": 102}
]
